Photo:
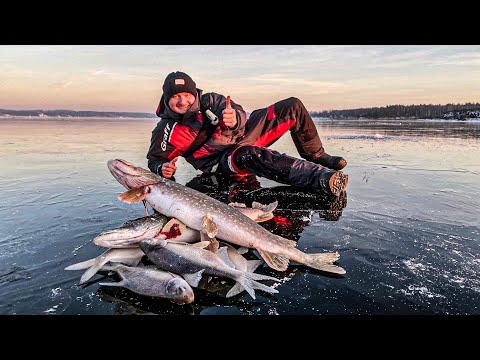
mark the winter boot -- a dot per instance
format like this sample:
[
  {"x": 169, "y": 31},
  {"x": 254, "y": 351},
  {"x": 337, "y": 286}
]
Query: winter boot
[
  {"x": 331, "y": 162},
  {"x": 306, "y": 174}
]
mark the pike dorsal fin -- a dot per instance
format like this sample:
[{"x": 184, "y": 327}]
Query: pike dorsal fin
[{"x": 277, "y": 262}]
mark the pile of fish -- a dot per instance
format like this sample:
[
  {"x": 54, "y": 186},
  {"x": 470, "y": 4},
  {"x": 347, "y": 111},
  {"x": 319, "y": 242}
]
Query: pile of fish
[{"x": 181, "y": 241}]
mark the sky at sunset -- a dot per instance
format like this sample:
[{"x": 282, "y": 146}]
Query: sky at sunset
[{"x": 325, "y": 77}]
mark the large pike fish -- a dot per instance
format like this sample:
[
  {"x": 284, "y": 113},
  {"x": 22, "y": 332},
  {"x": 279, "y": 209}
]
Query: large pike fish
[
  {"x": 157, "y": 225},
  {"x": 193, "y": 207}
]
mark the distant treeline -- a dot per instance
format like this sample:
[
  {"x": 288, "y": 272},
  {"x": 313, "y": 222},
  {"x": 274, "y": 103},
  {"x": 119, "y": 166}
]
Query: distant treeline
[
  {"x": 72, "y": 113},
  {"x": 449, "y": 111}
]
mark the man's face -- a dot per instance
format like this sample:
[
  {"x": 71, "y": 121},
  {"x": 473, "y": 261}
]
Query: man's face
[{"x": 181, "y": 102}]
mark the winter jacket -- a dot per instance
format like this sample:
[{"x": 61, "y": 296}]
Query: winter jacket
[{"x": 175, "y": 132}]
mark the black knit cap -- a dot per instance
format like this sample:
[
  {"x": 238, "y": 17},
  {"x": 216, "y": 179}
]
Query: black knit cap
[{"x": 177, "y": 82}]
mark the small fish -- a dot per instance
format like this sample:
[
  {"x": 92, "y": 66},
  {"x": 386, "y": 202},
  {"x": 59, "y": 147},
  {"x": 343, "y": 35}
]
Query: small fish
[
  {"x": 150, "y": 281},
  {"x": 126, "y": 256},
  {"x": 191, "y": 261}
]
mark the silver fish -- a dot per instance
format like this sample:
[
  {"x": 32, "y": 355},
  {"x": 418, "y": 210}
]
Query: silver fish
[
  {"x": 151, "y": 281},
  {"x": 132, "y": 232},
  {"x": 192, "y": 207},
  {"x": 192, "y": 261},
  {"x": 130, "y": 257}
]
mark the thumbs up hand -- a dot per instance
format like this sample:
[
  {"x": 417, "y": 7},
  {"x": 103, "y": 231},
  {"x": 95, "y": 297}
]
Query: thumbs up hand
[
  {"x": 169, "y": 168},
  {"x": 229, "y": 115}
]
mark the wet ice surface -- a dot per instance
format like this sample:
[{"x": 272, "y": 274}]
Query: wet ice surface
[{"x": 408, "y": 237}]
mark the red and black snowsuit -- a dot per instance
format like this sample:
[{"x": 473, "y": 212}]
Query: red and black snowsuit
[
  {"x": 175, "y": 132},
  {"x": 243, "y": 149}
]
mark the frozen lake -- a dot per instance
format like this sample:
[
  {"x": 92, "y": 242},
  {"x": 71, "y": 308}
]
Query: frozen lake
[{"x": 408, "y": 232}]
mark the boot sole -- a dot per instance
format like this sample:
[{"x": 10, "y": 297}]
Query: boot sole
[{"x": 338, "y": 183}]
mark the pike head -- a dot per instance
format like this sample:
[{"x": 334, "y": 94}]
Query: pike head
[{"x": 131, "y": 176}]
